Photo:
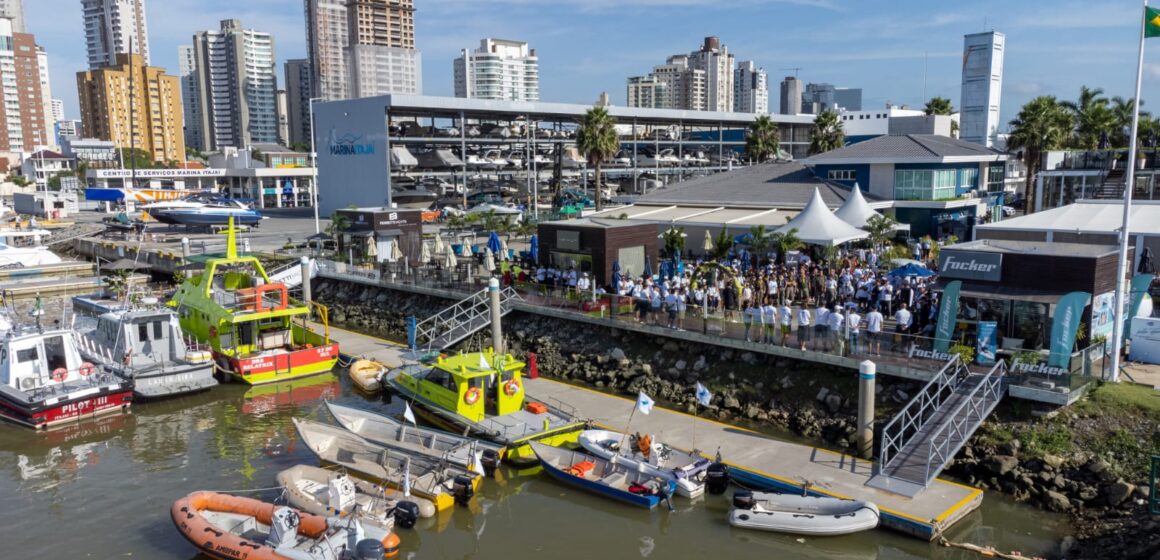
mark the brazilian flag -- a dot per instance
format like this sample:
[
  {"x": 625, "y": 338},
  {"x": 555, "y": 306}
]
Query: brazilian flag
[{"x": 1151, "y": 22}]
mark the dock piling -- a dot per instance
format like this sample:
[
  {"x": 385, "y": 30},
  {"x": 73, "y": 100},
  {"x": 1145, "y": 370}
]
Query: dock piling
[
  {"x": 306, "y": 295},
  {"x": 866, "y": 371},
  {"x": 496, "y": 314}
]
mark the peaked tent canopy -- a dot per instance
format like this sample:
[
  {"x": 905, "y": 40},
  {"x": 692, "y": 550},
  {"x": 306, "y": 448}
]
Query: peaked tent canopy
[
  {"x": 817, "y": 225},
  {"x": 855, "y": 211}
]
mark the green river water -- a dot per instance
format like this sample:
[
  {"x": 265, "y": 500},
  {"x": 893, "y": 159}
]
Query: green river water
[{"x": 102, "y": 489}]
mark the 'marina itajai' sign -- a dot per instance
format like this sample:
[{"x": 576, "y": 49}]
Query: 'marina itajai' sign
[
  {"x": 970, "y": 265},
  {"x": 349, "y": 145}
]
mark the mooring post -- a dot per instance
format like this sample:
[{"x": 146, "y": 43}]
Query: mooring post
[
  {"x": 306, "y": 295},
  {"x": 185, "y": 247},
  {"x": 866, "y": 372},
  {"x": 496, "y": 327}
]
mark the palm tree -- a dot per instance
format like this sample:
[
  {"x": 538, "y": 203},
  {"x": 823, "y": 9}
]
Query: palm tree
[
  {"x": 1093, "y": 118},
  {"x": 597, "y": 140},
  {"x": 722, "y": 244},
  {"x": 881, "y": 228},
  {"x": 1122, "y": 109},
  {"x": 674, "y": 240},
  {"x": 1042, "y": 124},
  {"x": 761, "y": 140},
  {"x": 786, "y": 242},
  {"x": 938, "y": 106},
  {"x": 760, "y": 240},
  {"x": 827, "y": 133}
]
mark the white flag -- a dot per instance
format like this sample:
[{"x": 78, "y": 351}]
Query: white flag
[
  {"x": 477, "y": 462},
  {"x": 407, "y": 477},
  {"x": 483, "y": 362},
  {"x": 408, "y": 415},
  {"x": 703, "y": 395},
  {"x": 643, "y": 403}
]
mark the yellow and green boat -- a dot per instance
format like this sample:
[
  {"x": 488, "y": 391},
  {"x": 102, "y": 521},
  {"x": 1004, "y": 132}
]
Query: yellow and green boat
[
  {"x": 258, "y": 334},
  {"x": 483, "y": 395}
]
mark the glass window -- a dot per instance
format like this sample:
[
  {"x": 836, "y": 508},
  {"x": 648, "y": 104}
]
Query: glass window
[
  {"x": 996, "y": 175},
  {"x": 54, "y": 350},
  {"x": 27, "y": 355},
  {"x": 142, "y": 332},
  {"x": 157, "y": 330},
  {"x": 1029, "y": 323},
  {"x": 840, "y": 174}
]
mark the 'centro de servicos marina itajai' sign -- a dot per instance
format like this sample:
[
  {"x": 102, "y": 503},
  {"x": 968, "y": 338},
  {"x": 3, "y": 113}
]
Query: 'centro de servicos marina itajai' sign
[{"x": 970, "y": 265}]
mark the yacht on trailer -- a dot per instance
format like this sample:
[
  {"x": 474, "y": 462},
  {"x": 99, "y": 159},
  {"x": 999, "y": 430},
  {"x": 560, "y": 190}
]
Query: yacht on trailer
[{"x": 16, "y": 253}]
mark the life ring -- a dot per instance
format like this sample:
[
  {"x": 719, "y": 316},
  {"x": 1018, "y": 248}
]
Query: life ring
[
  {"x": 471, "y": 396},
  {"x": 87, "y": 369},
  {"x": 511, "y": 387},
  {"x": 59, "y": 374}
]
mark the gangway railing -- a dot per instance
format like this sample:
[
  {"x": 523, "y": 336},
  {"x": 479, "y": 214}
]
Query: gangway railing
[
  {"x": 964, "y": 420},
  {"x": 903, "y": 427},
  {"x": 461, "y": 320}
]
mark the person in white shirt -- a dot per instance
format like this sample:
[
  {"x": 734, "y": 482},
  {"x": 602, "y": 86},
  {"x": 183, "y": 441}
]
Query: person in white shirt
[
  {"x": 821, "y": 327},
  {"x": 886, "y": 295},
  {"x": 785, "y": 316},
  {"x": 836, "y": 320},
  {"x": 803, "y": 327},
  {"x": 768, "y": 320},
  {"x": 671, "y": 309},
  {"x": 583, "y": 284},
  {"x": 854, "y": 323},
  {"x": 902, "y": 319},
  {"x": 874, "y": 332},
  {"x": 749, "y": 315}
]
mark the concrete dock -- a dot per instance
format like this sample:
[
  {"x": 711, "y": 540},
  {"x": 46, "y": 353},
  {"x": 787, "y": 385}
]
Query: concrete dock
[{"x": 755, "y": 458}]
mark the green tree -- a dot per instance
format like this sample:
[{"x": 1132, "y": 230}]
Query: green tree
[
  {"x": 760, "y": 241},
  {"x": 786, "y": 242},
  {"x": 1093, "y": 117},
  {"x": 881, "y": 228},
  {"x": 1041, "y": 125},
  {"x": 722, "y": 244},
  {"x": 827, "y": 133},
  {"x": 762, "y": 139},
  {"x": 19, "y": 180},
  {"x": 596, "y": 139},
  {"x": 674, "y": 240},
  {"x": 938, "y": 106},
  {"x": 137, "y": 158},
  {"x": 338, "y": 224},
  {"x": 1122, "y": 110}
]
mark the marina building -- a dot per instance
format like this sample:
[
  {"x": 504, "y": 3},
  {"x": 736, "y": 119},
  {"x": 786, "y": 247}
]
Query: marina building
[
  {"x": 236, "y": 87},
  {"x": 982, "y": 87},
  {"x": 750, "y": 88},
  {"x": 498, "y": 69},
  {"x": 23, "y": 111},
  {"x": 702, "y": 80},
  {"x": 134, "y": 105},
  {"x": 113, "y": 27},
  {"x": 297, "y": 84}
]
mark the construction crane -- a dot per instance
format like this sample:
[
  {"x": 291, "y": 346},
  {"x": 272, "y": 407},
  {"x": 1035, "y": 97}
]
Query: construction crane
[{"x": 794, "y": 68}]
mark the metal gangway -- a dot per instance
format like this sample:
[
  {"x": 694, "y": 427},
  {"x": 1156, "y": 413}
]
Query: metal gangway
[
  {"x": 461, "y": 320},
  {"x": 924, "y": 436},
  {"x": 291, "y": 274}
]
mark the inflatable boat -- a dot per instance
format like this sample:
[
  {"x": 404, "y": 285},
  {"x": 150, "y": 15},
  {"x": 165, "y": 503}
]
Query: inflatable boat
[
  {"x": 326, "y": 492},
  {"x": 367, "y": 375},
  {"x": 801, "y": 515}
]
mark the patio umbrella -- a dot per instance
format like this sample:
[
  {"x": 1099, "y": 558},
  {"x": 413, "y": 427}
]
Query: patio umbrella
[
  {"x": 424, "y": 254},
  {"x": 488, "y": 260},
  {"x": 452, "y": 262},
  {"x": 465, "y": 250},
  {"x": 912, "y": 270},
  {"x": 372, "y": 248},
  {"x": 493, "y": 242},
  {"x": 534, "y": 242},
  {"x": 396, "y": 251},
  {"x": 615, "y": 276},
  {"x": 648, "y": 271},
  {"x": 439, "y": 247},
  {"x": 503, "y": 250},
  {"x": 708, "y": 245}
]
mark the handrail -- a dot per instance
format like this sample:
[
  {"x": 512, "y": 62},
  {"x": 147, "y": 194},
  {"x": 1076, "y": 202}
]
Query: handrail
[
  {"x": 991, "y": 385},
  {"x": 912, "y": 414}
]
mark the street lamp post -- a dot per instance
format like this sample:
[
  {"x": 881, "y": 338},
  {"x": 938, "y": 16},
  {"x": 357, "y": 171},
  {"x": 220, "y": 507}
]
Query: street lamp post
[{"x": 314, "y": 168}]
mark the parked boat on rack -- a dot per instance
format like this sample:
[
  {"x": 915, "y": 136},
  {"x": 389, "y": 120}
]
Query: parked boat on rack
[
  {"x": 443, "y": 484},
  {"x": 145, "y": 345},
  {"x": 388, "y": 432},
  {"x": 367, "y": 375},
  {"x": 687, "y": 470},
  {"x": 225, "y": 526},
  {"x": 801, "y": 515},
  {"x": 417, "y": 198},
  {"x": 46, "y": 382},
  {"x": 326, "y": 492},
  {"x": 22, "y": 248},
  {"x": 454, "y": 394},
  {"x": 608, "y": 478}
]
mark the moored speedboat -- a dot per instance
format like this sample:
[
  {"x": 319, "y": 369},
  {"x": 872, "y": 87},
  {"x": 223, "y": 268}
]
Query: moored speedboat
[
  {"x": 455, "y": 393},
  {"x": 325, "y": 492},
  {"x": 44, "y": 381},
  {"x": 388, "y": 432},
  {"x": 687, "y": 470},
  {"x": 417, "y": 198},
  {"x": 13, "y": 254},
  {"x": 367, "y": 375},
  {"x": 801, "y": 515},
  {"x": 607, "y": 478}
]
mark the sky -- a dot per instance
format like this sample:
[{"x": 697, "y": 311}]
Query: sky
[{"x": 901, "y": 51}]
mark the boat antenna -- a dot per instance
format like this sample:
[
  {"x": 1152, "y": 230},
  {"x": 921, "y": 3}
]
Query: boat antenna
[{"x": 231, "y": 240}]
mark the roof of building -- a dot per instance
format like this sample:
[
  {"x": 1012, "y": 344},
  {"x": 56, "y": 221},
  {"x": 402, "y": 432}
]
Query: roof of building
[
  {"x": 46, "y": 154},
  {"x": 908, "y": 148},
  {"x": 1086, "y": 216},
  {"x": 1034, "y": 248},
  {"x": 769, "y": 185},
  {"x": 598, "y": 223},
  {"x": 275, "y": 149}
]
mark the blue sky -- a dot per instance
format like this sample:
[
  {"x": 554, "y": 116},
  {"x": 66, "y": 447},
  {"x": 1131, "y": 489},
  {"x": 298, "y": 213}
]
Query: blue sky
[{"x": 589, "y": 46}]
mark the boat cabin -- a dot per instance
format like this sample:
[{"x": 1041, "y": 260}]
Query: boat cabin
[
  {"x": 36, "y": 360},
  {"x": 475, "y": 385},
  {"x": 139, "y": 338}
]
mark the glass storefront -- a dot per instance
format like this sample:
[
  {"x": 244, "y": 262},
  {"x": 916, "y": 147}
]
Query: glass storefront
[{"x": 1022, "y": 325}]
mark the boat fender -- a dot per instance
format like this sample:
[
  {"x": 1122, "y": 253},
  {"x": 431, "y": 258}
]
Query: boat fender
[
  {"x": 59, "y": 374},
  {"x": 87, "y": 369},
  {"x": 490, "y": 462},
  {"x": 406, "y": 514},
  {"x": 511, "y": 387},
  {"x": 462, "y": 489},
  {"x": 717, "y": 478},
  {"x": 471, "y": 396},
  {"x": 369, "y": 549},
  {"x": 743, "y": 499}
]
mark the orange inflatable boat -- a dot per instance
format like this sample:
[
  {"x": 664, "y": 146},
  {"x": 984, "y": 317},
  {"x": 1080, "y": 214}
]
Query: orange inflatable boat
[{"x": 237, "y": 528}]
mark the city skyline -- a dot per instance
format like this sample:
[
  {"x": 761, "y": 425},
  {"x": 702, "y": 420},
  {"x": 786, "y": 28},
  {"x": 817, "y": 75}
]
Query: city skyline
[{"x": 1048, "y": 53}]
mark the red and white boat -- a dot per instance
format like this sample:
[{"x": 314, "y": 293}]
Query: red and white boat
[{"x": 44, "y": 381}]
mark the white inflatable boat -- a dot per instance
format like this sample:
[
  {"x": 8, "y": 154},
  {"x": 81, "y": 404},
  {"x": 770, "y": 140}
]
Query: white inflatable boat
[{"x": 801, "y": 515}]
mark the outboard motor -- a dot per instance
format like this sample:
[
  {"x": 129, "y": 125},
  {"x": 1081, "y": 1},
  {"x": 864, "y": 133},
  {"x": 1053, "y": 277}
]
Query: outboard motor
[
  {"x": 369, "y": 549},
  {"x": 743, "y": 499},
  {"x": 406, "y": 514},
  {"x": 717, "y": 478},
  {"x": 490, "y": 462},
  {"x": 462, "y": 489}
]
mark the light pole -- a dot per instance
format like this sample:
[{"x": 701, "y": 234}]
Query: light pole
[{"x": 314, "y": 168}]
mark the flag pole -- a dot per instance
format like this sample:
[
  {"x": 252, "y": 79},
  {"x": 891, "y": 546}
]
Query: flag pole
[{"x": 1125, "y": 229}]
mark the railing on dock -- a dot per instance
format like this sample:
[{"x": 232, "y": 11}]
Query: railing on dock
[{"x": 461, "y": 320}]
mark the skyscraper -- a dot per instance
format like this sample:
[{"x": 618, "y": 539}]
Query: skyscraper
[
  {"x": 236, "y": 87},
  {"x": 283, "y": 118},
  {"x": 22, "y": 107},
  {"x": 381, "y": 55},
  {"x": 326, "y": 43},
  {"x": 113, "y": 27},
  {"x": 699, "y": 81},
  {"x": 13, "y": 10},
  {"x": 498, "y": 69},
  {"x": 132, "y": 104},
  {"x": 717, "y": 64},
  {"x": 791, "y": 96},
  {"x": 190, "y": 96},
  {"x": 45, "y": 87},
  {"x": 298, "y": 100},
  {"x": 750, "y": 89},
  {"x": 982, "y": 87},
  {"x": 825, "y": 97}
]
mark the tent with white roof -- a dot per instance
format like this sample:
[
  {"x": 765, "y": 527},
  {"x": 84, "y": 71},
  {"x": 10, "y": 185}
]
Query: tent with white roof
[
  {"x": 817, "y": 225},
  {"x": 857, "y": 212}
]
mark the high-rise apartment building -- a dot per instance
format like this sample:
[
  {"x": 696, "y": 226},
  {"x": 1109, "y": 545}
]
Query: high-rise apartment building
[
  {"x": 133, "y": 105},
  {"x": 750, "y": 89},
  {"x": 113, "y": 27},
  {"x": 190, "y": 96},
  {"x": 982, "y": 87},
  {"x": 236, "y": 87},
  {"x": 22, "y": 107},
  {"x": 791, "y": 96},
  {"x": 298, "y": 100},
  {"x": 699, "y": 81},
  {"x": 825, "y": 97},
  {"x": 13, "y": 10},
  {"x": 283, "y": 118},
  {"x": 45, "y": 86},
  {"x": 648, "y": 91},
  {"x": 56, "y": 113},
  {"x": 498, "y": 69},
  {"x": 360, "y": 48}
]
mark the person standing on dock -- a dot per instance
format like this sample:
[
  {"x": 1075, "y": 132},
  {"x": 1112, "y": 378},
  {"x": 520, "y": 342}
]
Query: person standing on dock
[
  {"x": 803, "y": 327},
  {"x": 874, "y": 331},
  {"x": 768, "y": 320},
  {"x": 836, "y": 322},
  {"x": 785, "y": 317},
  {"x": 854, "y": 324},
  {"x": 821, "y": 327}
]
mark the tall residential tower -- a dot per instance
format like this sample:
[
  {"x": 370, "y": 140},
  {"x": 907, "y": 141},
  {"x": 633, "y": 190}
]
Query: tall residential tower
[
  {"x": 791, "y": 96},
  {"x": 298, "y": 88},
  {"x": 982, "y": 87},
  {"x": 13, "y": 10},
  {"x": 22, "y": 108},
  {"x": 750, "y": 89},
  {"x": 360, "y": 48},
  {"x": 699, "y": 81},
  {"x": 133, "y": 105},
  {"x": 113, "y": 27},
  {"x": 498, "y": 69},
  {"x": 236, "y": 87}
]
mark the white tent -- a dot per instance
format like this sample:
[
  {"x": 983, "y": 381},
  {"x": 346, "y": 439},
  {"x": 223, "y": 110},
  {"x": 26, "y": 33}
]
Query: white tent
[
  {"x": 857, "y": 212},
  {"x": 817, "y": 225}
]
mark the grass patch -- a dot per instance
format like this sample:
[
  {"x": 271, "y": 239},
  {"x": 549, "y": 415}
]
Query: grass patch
[
  {"x": 1111, "y": 396},
  {"x": 1051, "y": 440}
]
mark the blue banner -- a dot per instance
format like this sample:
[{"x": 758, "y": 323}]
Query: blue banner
[
  {"x": 948, "y": 312},
  {"x": 987, "y": 343},
  {"x": 1139, "y": 288},
  {"x": 1068, "y": 315}
]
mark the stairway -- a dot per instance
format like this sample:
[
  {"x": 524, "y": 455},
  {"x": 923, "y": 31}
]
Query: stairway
[
  {"x": 1112, "y": 186},
  {"x": 291, "y": 274},
  {"x": 925, "y": 435},
  {"x": 461, "y": 320}
]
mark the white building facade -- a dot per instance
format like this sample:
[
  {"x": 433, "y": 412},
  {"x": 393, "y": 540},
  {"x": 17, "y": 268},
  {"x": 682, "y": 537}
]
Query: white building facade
[
  {"x": 750, "y": 89},
  {"x": 982, "y": 87},
  {"x": 236, "y": 87},
  {"x": 702, "y": 80},
  {"x": 498, "y": 69},
  {"x": 190, "y": 99},
  {"x": 13, "y": 10},
  {"x": 326, "y": 43},
  {"x": 112, "y": 27},
  {"x": 380, "y": 70}
]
